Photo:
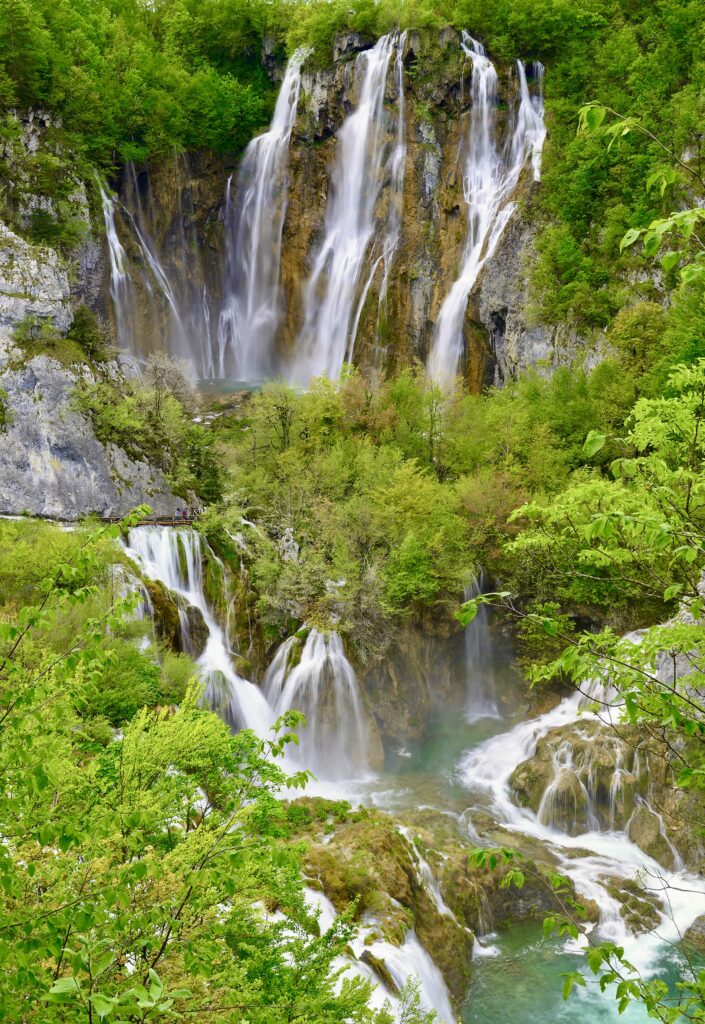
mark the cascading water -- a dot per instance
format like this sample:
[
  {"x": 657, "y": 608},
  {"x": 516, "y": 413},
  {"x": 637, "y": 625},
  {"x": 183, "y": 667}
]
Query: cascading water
[
  {"x": 322, "y": 685},
  {"x": 251, "y": 309},
  {"x": 174, "y": 558},
  {"x": 490, "y": 176},
  {"x": 480, "y": 661},
  {"x": 160, "y": 296},
  {"x": 334, "y": 300},
  {"x": 590, "y": 858},
  {"x": 119, "y": 277}
]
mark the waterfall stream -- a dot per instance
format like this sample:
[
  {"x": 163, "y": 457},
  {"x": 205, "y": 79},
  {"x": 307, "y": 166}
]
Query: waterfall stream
[
  {"x": 321, "y": 684},
  {"x": 366, "y": 157},
  {"x": 174, "y": 558},
  {"x": 480, "y": 661},
  {"x": 252, "y": 303},
  {"x": 490, "y": 176}
]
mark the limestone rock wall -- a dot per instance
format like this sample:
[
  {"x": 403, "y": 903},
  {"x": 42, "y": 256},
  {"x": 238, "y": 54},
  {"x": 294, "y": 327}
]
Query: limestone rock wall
[{"x": 51, "y": 463}]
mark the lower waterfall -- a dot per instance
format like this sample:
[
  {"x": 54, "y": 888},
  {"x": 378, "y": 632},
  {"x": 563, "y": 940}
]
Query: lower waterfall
[
  {"x": 591, "y": 857},
  {"x": 174, "y": 558},
  {"x": 588, "y": 842},
  {"x": 317, "y": 680},
  {"x": 322, "y": 684}
]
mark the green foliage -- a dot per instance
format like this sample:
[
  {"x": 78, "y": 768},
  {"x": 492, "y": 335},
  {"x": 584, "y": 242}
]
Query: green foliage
[
  {"x": 150, "y": 418},
  {"x": 356, "y": 476},
  {"x": 135, "y": 869},
  {"x": 134, "y": 80}
]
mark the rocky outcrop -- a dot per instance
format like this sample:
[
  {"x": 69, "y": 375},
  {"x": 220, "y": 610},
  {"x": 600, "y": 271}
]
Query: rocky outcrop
[
  {"x": 361, "y": 858},
  {"x": 51, "y": 463},
  {"x": 34, "y": 285},
  {"x": 591, "y": 775}
]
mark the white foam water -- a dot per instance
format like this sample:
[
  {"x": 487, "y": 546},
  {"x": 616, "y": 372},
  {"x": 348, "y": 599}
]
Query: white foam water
[{"x": 490, "y": 176}]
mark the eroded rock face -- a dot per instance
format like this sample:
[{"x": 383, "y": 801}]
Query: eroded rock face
[
  {"x": 51, "y": 463},
  {"x": 33, "y": 283}
]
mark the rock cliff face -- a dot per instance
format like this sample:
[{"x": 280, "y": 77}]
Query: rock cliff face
[
  {"x": 51, "y": 463},
  {"x": 34, "y": 285}
]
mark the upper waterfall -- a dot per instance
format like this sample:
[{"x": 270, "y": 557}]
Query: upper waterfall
[
  {"x": 252, "y": 305},
  {"x": 365, "y": 158},
  {"x": 490, "y": 176}
]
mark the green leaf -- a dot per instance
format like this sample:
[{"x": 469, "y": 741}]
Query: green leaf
[
  {"x": 103, "y": 1005},
  {"x": 593, "y": 443},
  {"x": 64, "y": 986},
  {"x": 572, "y": 979},
  {"x": 468, "y": 612},
  {"x": 630, "y": 238}
]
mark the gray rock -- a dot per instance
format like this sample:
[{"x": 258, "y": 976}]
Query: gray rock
[
  {"x": 348, "y": 43},
  {"x": 502, "y": 302},
  {"x": 33, "y": 283},
  {"x": 695, "y": 935},
  {"x": 51, "y": 463}
]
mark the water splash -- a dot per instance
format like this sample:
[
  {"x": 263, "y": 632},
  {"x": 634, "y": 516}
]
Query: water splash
[
  {"x": 322, "y": 685},
  {"x": 252, "y": 303},
  {"x": 590, "y": 858},
  {"x": 490, "y": 176},
  {"x": 334, "y": 299}
]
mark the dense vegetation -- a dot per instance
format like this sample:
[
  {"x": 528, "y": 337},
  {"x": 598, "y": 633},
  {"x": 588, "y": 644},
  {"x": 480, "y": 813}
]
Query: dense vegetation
[
  {"x": 131, "y": 80},
  {"x": 126, "y": 826},
  {"x": 143, "y": 849}
]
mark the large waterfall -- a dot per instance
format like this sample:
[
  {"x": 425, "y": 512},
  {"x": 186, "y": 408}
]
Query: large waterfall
[
  {"x": 490, "y": 176},
  {"x": 252, "y": 303},
  {"x": 165, "y": 293},
  {"x": 368, "y": 153}
]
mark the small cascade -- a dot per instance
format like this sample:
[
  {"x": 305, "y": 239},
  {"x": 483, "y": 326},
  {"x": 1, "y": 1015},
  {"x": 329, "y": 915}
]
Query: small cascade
[
  {"x": 412, "y": 961},
  {"x": 322, "y": 685},
  {"x": 567, "y": 802},
  {"x": 592, "y": 859},
  {"x": 366, "y": 160},
  {"x": 490, "y": 176},
  {"x": 480, "y": 660},
  {"x": 173, "y": 557},
  {"x": 252, "y": 306},
  {"x": 425, "y": 874}
]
